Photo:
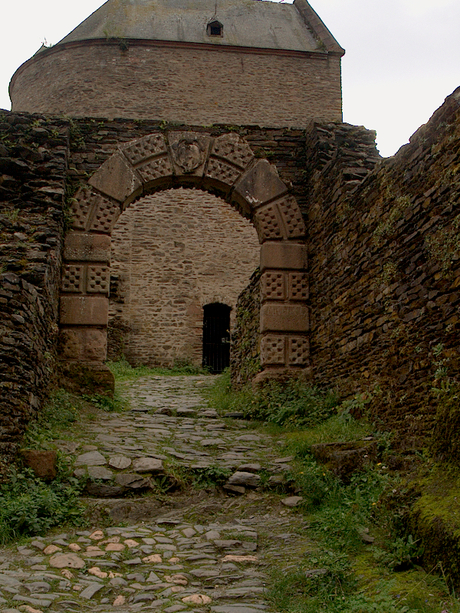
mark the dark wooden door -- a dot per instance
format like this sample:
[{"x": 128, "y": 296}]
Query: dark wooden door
[{"x": 216, "y": 337}]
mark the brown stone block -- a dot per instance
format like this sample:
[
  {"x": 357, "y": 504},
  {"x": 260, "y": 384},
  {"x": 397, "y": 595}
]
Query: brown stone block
[
  {"x": 117, "y": 179},
  {"x": 291, "y": 216},
  {"x": 83, "y": 344},
  {"x": 268, "y": 224},
  {"x": 81, "y": 247},
  {"x": 43, "y": 463},
  {"x": 84, "y": 310},
  {"x": 73, "y": 277},
  {"x": 284, "y": 318},
  {"x": 273, "y": 350},
  {"x": 298, "y": 351},
  {"x": 284, "y": 255},
  {"x": 260, "y": 184},
  {"x": 273, "y": 285}
]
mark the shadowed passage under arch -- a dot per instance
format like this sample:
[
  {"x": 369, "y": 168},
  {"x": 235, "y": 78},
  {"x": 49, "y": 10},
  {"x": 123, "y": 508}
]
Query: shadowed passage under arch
[{"x": 224, "y": 165}]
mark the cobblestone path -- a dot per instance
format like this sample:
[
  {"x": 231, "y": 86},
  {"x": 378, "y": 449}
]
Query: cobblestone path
[{"x": 169, "y": 550}]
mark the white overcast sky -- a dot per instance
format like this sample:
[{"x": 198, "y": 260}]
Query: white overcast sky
[{"x": 402, "y": 56}]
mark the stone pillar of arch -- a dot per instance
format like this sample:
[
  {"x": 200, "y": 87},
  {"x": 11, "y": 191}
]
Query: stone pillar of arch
[{"x": 224, "y": 165}]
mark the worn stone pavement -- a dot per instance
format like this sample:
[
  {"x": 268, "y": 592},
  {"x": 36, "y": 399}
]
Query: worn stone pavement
[{"x": 152, "y": 545}]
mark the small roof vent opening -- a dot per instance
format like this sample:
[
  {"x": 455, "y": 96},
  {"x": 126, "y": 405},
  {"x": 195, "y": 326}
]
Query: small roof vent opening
[{"x": 215, "y": 28}]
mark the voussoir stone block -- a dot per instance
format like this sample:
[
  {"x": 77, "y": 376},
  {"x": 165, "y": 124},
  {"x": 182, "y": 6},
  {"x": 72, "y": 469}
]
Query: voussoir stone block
[
  {"x": 84, "y": 310},
  {"x": 260, "y": 184},
  {"x": 284, "y": 318},
  {"x": 82, "y": 247},
  {"x": 234, "y": 149},
  {"x": 117, "y": 179},
  {"x": 284, "y": 255}
]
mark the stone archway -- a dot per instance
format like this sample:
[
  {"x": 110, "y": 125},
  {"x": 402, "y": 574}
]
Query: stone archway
[{"x": 224, "y": 165}]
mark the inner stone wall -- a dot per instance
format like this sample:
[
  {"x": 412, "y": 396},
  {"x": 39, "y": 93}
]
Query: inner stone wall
[{"x": 172, "y": 253}]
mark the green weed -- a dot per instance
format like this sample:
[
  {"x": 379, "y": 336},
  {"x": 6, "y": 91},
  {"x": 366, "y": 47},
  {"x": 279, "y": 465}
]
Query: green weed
[
  {"x": 117, "y": 404},
  {"x": 57, "y": 415},
  {"x": 210, "y": 476},
  {"x": 336, "y": 429},
  {"x": 291, "y": 403},
  {"x": 29, "y": 506}
]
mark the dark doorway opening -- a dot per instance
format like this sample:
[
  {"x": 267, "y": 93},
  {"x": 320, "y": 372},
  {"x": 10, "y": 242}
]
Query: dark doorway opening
[{"x": 216, "y": 337}]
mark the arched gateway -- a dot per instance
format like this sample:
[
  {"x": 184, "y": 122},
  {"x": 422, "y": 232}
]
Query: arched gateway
[{"x": 224, "y": 165}]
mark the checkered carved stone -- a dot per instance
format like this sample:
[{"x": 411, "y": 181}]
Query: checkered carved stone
[
  {"x": 233, "y": 149},
  {"x": 298, "y": 286},
  {"x": 145, "y": 148},
  {"x": 155, "y": 169},
  {"x": 292, "y": 217},
  {"x": 72, "y": 279},
  {"x": 298, "y": 351},
  {"x": 83, "y": 203},
  {"x": 272, "y": 350},
  {"x": 272, "y": 286},
  {"x": 105, "y": 216},
  {"x": 98, "y": 281},
  {"x": 222, "y": 171},
  {"x": 267, "y": 223}
]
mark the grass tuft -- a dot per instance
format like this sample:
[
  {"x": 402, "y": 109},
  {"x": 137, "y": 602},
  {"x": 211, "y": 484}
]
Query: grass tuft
[
  {"x": 123, "y": 371},
  {"x": 290, "y": 403}
]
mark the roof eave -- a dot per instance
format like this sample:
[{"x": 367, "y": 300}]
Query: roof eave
[{"x": 318, "y": 28}]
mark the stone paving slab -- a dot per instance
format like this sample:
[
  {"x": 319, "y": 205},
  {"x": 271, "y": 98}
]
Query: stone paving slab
[{"x": 210, "y": 554}]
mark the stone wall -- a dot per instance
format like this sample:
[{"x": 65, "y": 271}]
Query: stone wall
[
  {"x": 192, "y": 84},
  {"x": 385, "y": 265},
  {"x": 245, "y": 347},
  {"x": 172, "y": 253},
  {"x": 92, "y": 142},
  {"x": 33, "y": 155}
]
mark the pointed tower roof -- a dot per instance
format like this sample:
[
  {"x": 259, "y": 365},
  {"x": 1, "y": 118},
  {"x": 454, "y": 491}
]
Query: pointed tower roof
[{"x": 241, "y": 23}]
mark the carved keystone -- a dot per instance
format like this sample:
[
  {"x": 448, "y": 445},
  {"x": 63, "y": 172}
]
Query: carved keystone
[
  {"x": 189, "y": 152},
  {"x": 284, "y": 318},
  {"x": 260, "y": 184},
  {"x": 117, "y": 179},
  {"x": 287, "y": 255},
  {"x": 84, "y": 310},
  {"x": 81, "y": 247}
]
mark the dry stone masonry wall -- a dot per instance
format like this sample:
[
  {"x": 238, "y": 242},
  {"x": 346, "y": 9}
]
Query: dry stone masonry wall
[
  {"x": 384, "y": 265},
  {"x": 33, "y": 158},
  {"x": 383, "y": 253}
]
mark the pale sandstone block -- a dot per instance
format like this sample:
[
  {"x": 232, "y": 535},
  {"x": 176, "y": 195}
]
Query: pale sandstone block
[
  {"x": 82, "y": 247},
  {"x": 260, "y": 184},
  {"x": 283, "y": 255},
  {"x": 117, "y": 179},
  {"x": 284, "y": 318}
]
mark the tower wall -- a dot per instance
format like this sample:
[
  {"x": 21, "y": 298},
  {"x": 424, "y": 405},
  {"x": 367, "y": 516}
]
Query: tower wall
[{"x": 186, "y": 83}]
